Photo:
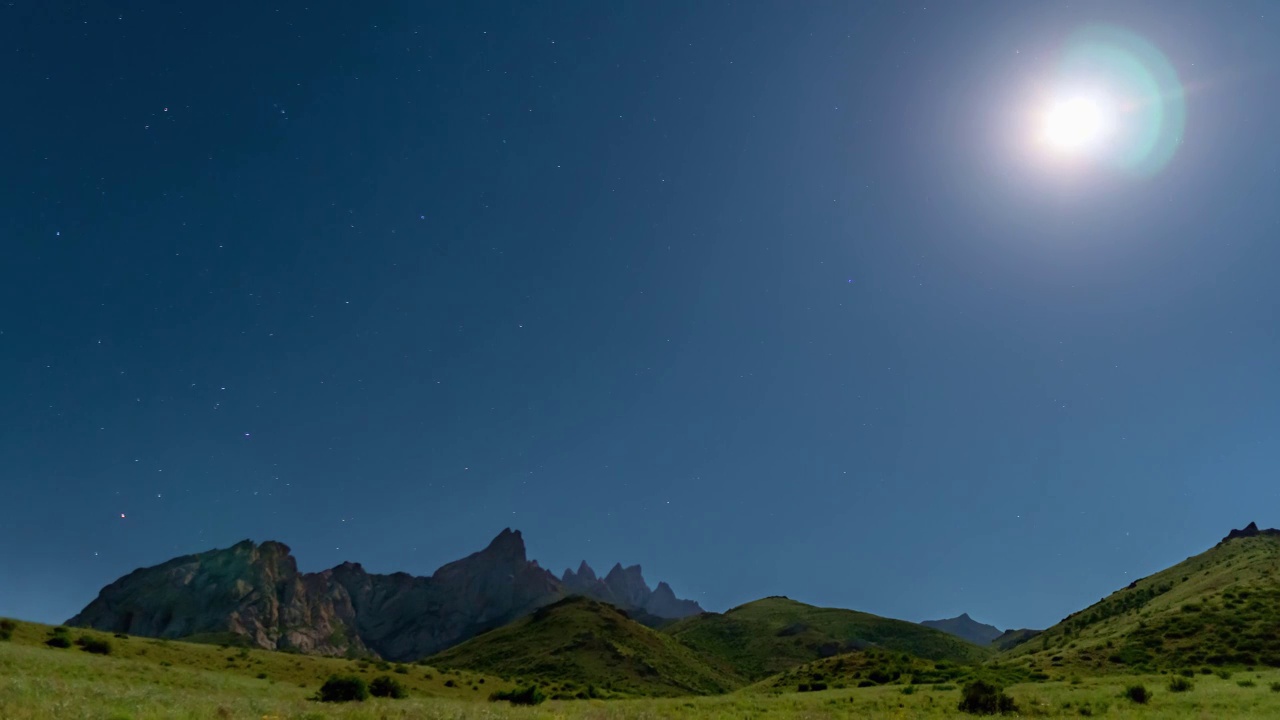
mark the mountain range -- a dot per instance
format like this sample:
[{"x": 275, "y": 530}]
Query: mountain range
[
  {"x": 499, "y": 613},
  {"x": 253, "y": 594}
]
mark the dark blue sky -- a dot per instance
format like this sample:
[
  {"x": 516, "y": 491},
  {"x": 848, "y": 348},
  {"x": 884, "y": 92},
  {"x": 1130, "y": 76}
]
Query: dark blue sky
[{"x": 763, "y": 296}]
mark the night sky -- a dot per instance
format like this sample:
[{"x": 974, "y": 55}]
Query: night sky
[{"x": 770, "y": 298}]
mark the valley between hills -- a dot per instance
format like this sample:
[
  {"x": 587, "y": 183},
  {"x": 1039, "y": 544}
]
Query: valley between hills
[{"x": 240, "y": 633}]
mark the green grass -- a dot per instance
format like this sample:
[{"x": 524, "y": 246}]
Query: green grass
[
  {"x": 588, "y": 648},
  {"x": 138, "y": 669},
  {"x": 39, "y": 683},
  {"x": 1219, "y": 608},
  {"x": 775, "y": 634}
]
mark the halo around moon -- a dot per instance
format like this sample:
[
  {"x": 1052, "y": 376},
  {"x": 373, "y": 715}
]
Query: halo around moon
[{"x": 1116, "y": 100}]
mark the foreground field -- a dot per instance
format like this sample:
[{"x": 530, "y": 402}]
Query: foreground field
[{"x": 39, "y": 683}]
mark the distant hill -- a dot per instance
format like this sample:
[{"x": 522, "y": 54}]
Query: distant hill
[
  {"x": 255, "y": 593},
  {"x": 775, "y": 634},
  {"x": 966, "y": 628},
  {"x": 1221, "y": 607},
  {"x": 591, "y": 645},
  {"x": 1010, "y": 639}
]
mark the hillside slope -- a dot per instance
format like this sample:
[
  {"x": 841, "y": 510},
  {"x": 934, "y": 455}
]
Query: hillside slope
[
  {"x": 774, "y": 634},
  {"x": 586, "y": 643},
  {"x": 1221, "y": 607}
]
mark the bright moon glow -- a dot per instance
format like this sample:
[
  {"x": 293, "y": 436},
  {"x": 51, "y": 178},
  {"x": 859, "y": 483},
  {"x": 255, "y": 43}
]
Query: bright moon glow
[
  {"x": 1113, "y": 101},
  {"x": 1075, "y": 124}
]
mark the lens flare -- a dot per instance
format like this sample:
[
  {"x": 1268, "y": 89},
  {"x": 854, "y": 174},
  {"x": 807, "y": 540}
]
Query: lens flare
[{"x": 1139, "y": 125}]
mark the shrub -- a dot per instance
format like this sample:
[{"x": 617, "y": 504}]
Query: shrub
[
  {"x": 1224, "y": 674},
  {"x": 528, "y": 696},
  {"x": 981, "y": 698},
  {"x": 344, "y": 688},
  {"x": 450, "y": 683},
  {"x": 402, "y": 669},
  {"x": 1180, "y": 684},
  {"x": 1275, "y": 687},
  {"x": 385, "y": 686},
  {"x": 1138, "y": 694},
  {"x": 811, "y": 687},
  {"x": 1246, "y": 683},
  {"x": 1187, "y": 672},
  {"x": 95, "y": 646},
  {"x": 6, "y": 629},
  {"x": 58, "y": 641},
  {"x": 866, "y": 683}
]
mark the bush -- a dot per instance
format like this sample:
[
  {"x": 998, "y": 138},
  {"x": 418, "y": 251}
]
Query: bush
[
  {"x": 385, "y": 686},
  {"x": 95, "y": 646},
  {"x": 402, "y": 669},
  {"x": 345, "y": 688},
  {"x": 450, "y": 683},
  {"x": 1246, "y": 683},
  {"x": 811, "y": 687},
  {"x": 1138, "y": 694},
  {"x": 528, "y": 696},
  {"x": 982, "y": 698},
  {"x": 262, "y": 676},
  {"x": 1275, "y": 687},
  {"x": 1180, "y": 684},
  {"x": 6, "y": 629},
  {"x": 58, "y": 641}
]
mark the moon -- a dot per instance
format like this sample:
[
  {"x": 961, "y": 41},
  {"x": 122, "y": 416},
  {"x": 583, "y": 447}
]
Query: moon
[{"x": 1075, "y": 125}]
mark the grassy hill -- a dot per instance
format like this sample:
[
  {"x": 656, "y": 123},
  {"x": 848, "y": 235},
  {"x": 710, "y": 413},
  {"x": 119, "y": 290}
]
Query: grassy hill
[
  {"x": 590, "y": 648},
  {"x": 127, "y": 672},
  {"x": 869, "y": 668},
  {"x": 775, "y": 634},
  {"x": 1221, "y": 607}
]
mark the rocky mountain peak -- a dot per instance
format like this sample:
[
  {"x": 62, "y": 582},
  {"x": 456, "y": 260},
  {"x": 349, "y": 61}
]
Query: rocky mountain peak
[
  {"x": 1250, "y": 530},
  {"x": 963, "y": 626},
  {"x": 508, "y": 544}
]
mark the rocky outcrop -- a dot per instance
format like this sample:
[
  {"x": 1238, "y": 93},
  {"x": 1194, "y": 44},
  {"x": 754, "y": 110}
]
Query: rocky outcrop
[
  {"x": 256, "y": 592},
  {"x": 664, "y": 603},
  {"x": 1250, "y": 530},
  {"x": 626, "y": 588},
  {"x": 965, "y": 628}
]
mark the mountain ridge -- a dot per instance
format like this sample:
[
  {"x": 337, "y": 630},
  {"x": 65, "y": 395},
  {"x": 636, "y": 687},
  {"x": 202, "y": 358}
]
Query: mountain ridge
[
  {"x": 965, "y": 628},
  {"x": 256, "y": 592}
]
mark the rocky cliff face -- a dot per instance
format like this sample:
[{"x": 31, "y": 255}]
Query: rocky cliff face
[{"x": 256, "y": 591}]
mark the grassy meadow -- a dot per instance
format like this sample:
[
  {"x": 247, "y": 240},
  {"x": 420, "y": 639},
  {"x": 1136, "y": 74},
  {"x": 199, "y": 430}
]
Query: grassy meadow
[{"x": 145, "y": 679}]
